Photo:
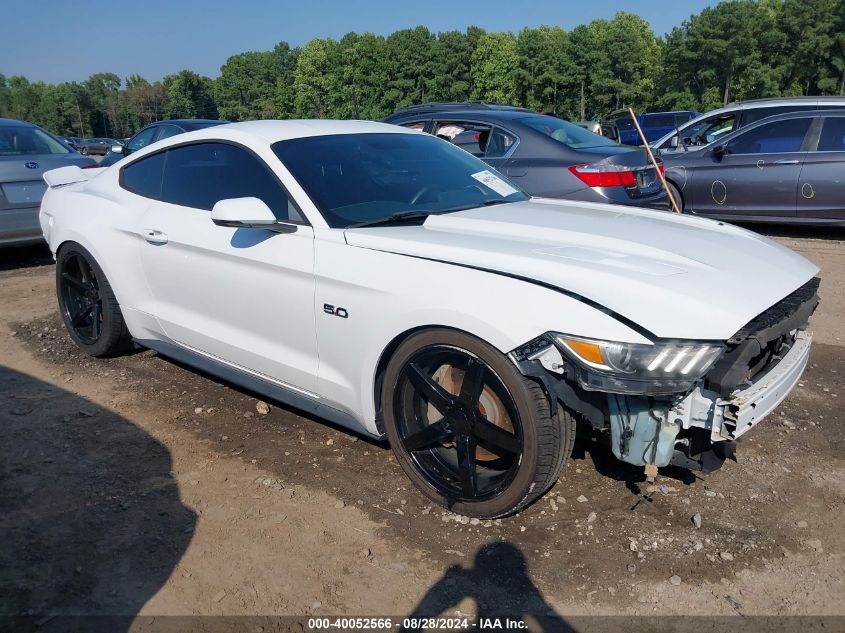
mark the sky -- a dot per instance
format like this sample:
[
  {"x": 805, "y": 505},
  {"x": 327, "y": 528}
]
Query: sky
[{"x": 68, "y": 40}]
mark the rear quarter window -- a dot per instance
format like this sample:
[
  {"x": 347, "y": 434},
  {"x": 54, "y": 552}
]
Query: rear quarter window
[{"x": 144, "y": 176}]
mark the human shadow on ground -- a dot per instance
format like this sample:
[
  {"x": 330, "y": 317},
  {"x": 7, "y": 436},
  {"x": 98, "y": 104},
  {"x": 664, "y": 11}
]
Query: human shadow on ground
[
  {"x": 90, "y": 513},
  {"x": 502, "y": 589}
]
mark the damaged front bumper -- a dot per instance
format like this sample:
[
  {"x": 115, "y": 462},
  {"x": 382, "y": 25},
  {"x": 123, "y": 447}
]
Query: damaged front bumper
[{"x": 726, "y": 419}]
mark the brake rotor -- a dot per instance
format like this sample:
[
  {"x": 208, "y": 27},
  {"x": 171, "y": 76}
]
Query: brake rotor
[{"x": 489, "y": 405}]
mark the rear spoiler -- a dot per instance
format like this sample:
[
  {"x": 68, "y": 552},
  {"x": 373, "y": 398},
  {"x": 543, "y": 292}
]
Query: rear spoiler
[{"x": 66, "y": 176}]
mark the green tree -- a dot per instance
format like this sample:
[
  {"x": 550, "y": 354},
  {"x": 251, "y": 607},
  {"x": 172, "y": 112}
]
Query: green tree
[
  {"x": 316, "y": 79},
  {"x": 410, "y": 55},
  {"x": 188, "y": 95},
  {"x": 494, "y": 68},
  {"x": 246, "y": 87},
  {"x": 452, "y": 63}
]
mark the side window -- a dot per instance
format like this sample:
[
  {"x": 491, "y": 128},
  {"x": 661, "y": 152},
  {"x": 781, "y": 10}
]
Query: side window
[
  {"x": 415, "y": 125},
  {"x": 141, "y": 139},
  {"x": 708, "y": 130},
  {"x": 772, "y": 138},
  {"x": 200, "y": 175},
  {"x": 470, "y": 137},
  {"x": 144, "y": 176},
  {"x": 498, "y": 144},
  {"x": 832, "y": 138},
  {"x": 166, "y": 131},
  {"x": 479, "y": 140},
  {"x": 752, "y": 115},
  {"x": 658, "y": 120}
]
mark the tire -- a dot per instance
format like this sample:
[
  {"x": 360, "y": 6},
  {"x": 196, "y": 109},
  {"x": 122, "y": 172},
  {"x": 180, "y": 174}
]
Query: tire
[
  {"x": 676, "y": 193},
  {"x": 468, "y": 461},
  {"x": 87, "y": 304}
]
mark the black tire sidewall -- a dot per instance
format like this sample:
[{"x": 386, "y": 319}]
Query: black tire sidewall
[
  {"x": 520, "y": 488},
  {"x": 676, "y": 193},
  {"x": 112, "y": 331}
]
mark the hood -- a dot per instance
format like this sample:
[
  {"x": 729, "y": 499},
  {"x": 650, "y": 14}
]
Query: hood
[{"x": 675, "y": 276}]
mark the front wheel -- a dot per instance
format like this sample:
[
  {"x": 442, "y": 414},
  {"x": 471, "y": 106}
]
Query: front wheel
[
  {"x": 87, "y": 304},
  {"x": 471, "y": 432}
]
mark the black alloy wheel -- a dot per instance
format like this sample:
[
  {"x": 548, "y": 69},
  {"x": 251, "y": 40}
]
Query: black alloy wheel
[
  {"x": 459, "y": 423},
  {"x": 82, "y": 304},
  {"x": 471, "y": 432},
  {"x": 87, "y": 304}
]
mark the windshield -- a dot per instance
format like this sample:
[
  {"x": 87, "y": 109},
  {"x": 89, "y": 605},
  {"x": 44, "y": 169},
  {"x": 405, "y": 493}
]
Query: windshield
[
  {"x": 28, "y": 141},
  {"x": 564, "y": 132},
  {"x": 358, "y": 178}
]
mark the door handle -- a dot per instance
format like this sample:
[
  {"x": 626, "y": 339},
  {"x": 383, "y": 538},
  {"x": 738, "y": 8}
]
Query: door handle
[
  {"x": 787, "y": 161},
  {"x": 154, "y": 237}
]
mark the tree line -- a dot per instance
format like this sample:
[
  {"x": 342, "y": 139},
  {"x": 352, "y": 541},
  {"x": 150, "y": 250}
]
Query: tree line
[{"x": 739, "y": 49}]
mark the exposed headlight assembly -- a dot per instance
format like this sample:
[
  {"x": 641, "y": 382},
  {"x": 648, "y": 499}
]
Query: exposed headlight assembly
[{"x": 663, "y": 367}]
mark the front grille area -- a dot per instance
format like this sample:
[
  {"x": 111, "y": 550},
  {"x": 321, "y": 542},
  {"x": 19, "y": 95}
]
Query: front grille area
[{"x": 763, "y": 341}]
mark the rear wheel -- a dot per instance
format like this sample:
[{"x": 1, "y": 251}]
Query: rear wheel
[
  {"x": 676, "y": 194},
  {"x": 471, "y": 432},
  {"x": 87, "y": 304}
]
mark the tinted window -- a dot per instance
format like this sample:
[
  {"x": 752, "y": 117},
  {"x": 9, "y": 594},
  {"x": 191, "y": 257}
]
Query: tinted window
[
  {"x": 832, "y": 138},
  {"x": 753, "y": 115},
  {"x": 141, "y": 139},
  {"x": 772, "y": 138},
  {"x": 659, "y": 120},
  {"x": 564, "y": 132},
  {"x": 166, "y": 131},
  {"x": 144, "y": 176},
  {"x": 415, "y": 125},
  {"x": 362, "y": 177},
  {"x": 200, "y": 175}
]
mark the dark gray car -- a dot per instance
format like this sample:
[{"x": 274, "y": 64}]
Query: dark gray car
[
  {"x": 546, "y": 156},
  {"x": 26, "y": 152},
  {"x": 788, "y": 169}
]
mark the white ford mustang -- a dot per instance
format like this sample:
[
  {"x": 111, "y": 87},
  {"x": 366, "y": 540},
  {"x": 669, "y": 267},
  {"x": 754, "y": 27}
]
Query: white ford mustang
[{"x": 392, "y": 283}]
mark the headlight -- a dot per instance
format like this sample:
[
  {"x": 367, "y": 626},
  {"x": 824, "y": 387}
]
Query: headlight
[{"x": 663, "y": 367}]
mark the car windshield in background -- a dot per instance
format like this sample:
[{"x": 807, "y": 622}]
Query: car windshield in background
[
  {"x": 362, "y": 178},
  {"x": 564, "y": 132},
  {"x": 28, "y": 141}
]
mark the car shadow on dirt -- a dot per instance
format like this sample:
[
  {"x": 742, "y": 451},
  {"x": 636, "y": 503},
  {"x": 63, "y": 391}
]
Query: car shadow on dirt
[
  {"x": 499, "y": 584},
  {"x": 92, "y": 520}
]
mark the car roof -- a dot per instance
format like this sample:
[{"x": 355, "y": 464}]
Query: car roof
[
  {"x": 272, "y": 131},
  {"x": 479, "y": 114},
  {"x": 440, "y": 106},
  {"x": 16, "y": 123}
]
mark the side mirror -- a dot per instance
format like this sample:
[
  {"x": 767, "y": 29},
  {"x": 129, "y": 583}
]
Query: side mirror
[
  {"x": 117, "y": 149},
  {"x": 673, "y": 142},
  {"x": 719, "y": 151},
  {"x": 250, "y": 213}
]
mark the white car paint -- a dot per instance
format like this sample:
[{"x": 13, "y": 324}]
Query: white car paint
[{"x": 505, "y": 274}]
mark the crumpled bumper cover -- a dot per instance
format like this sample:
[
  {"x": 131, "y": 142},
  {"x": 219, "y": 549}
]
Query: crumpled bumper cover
[{"x": 729, "y": 418}]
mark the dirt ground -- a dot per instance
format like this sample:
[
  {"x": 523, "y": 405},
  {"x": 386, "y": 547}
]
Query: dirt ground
[{"x": 135, "y": 486}]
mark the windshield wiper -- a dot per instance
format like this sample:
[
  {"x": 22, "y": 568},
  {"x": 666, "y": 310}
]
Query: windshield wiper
[
  {"x": 486, "y": 203},
  {"x": 396, "y": 218}
]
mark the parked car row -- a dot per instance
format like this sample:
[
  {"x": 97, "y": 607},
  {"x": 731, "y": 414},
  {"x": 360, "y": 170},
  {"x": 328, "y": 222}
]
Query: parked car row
[{"x": 728, "y": 164}]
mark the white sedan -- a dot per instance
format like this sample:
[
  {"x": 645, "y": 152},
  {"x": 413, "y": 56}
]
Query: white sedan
[{"x": 390, "y": 282}]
